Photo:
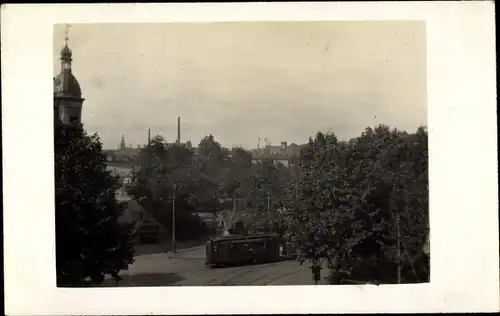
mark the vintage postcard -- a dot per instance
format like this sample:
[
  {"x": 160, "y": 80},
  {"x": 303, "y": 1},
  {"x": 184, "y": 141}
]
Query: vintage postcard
[{"x": 262, "y": 161}]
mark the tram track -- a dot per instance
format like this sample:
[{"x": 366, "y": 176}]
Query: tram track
[
  {"x": 239, "y": 272},
  {"x": 233, "y": 275},
  {"x": 249, "y": 270},
  {"x": 281, "y": 276}
]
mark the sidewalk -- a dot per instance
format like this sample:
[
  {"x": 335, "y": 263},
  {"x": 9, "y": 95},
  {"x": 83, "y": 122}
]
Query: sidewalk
[{"x": 165, "y": 247}]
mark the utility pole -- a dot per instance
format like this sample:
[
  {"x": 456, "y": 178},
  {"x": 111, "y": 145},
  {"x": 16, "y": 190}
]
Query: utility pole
[
  {"x": 173, "y": 219},
  {"x": 399, "y": 249},
  {"x": 268, "y": 208}
]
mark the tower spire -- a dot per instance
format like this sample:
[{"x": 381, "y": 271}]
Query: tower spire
[
  {"x": 122, "y": 142},
  {"x": 66, "y": 54},
  {"x": 67, "y": 26}
]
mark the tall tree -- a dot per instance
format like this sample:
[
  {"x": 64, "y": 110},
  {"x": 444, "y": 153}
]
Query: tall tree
[
  {"x": 236, "y": 180},
  {"x": 167, "y": 172},
  {"x": 213, "y": 158},
  {"x": 348, "y": 197},
  {"x": 268, "y": 184},
  {"x": 317, "y": 214},
  {"x": 90, "y": 241}
]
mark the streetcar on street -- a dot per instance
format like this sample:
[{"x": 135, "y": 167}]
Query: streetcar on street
[{"x": 240, "y": 249}]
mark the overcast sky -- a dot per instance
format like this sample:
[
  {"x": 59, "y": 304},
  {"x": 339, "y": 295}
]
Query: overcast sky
[{"x": 242, "y": 81}]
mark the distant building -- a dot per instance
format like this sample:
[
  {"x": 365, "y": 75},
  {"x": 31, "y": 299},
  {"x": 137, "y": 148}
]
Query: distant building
[
  {"x": 146, "y": 228},
  {"x": 210, "y": 219},
  {"x": 229, "y": 204},
  {"x": 129, "y": 154},
  {"x": 284, "y": 154},
  {"x": 123, "y": 154}
]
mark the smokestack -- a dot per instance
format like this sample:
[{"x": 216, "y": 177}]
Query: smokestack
[
  {"x": 149, "y": 137},
  {"x": 178, "y": 130}
]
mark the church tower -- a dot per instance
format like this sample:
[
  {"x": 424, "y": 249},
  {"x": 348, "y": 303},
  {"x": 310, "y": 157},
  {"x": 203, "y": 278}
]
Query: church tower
[
  {"x": 68, "y": 99},
  {"x": 122, "y": 143}
]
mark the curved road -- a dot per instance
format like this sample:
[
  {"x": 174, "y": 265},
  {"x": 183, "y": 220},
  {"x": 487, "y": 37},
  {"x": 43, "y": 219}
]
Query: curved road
[{"x": 187, "y": 268}]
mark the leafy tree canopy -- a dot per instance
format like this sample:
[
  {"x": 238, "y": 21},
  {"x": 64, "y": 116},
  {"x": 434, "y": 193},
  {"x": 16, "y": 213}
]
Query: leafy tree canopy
[
  {"x": 91, "y": 241},
  {"x": 166, "y": 172},
  {"x": 236, "y": 179},
  {"x": 347, "y": 197},
  {"x": 213, "y": 158}
]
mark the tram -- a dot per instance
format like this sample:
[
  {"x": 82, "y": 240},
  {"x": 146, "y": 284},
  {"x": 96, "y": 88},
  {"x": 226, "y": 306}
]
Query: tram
[{"x": 237, "y": 250}]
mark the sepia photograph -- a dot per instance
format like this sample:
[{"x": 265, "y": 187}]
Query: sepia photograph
[
  {"x": 249, "y": 158},
  {"x": 241, "y": 153}
]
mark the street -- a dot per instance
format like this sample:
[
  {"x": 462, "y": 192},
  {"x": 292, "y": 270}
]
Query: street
[{"x": 186, "y": 268}]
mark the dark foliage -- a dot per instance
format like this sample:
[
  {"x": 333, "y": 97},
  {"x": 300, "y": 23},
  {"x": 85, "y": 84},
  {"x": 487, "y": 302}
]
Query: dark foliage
[
  {"x": 350, "y": 197},
  {"x": 166, "y": 172},
  {"x": 90, "y": 241}
]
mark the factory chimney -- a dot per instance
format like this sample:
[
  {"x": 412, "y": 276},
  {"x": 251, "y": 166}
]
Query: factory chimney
[{"x": 178, "y": 130}]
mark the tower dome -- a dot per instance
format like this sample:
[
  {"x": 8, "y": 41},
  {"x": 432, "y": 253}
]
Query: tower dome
[
  {"x": 66, "y": 52},
  {"x": 66, "y": 85}
]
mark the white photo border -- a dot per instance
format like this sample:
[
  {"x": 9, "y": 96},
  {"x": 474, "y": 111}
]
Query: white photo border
[{"x": 461, "y": 89}]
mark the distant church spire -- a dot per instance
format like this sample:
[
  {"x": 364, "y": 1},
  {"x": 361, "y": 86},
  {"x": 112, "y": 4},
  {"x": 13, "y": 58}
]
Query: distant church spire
[{"x": 122, "y": 142}]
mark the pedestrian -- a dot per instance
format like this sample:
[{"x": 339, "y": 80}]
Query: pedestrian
[{"x": 316, "y": 271}]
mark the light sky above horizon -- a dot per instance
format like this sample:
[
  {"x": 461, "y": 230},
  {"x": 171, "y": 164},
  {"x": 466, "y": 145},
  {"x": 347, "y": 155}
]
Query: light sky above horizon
[{"x": 240, "y": 81}]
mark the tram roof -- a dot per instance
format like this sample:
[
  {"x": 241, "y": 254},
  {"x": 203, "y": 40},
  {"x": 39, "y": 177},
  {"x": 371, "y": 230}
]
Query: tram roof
[{"x": 243, "y": 237}]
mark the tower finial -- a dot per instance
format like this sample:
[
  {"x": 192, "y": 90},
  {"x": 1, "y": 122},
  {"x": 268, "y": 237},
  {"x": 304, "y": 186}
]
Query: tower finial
[{"x": 67, "y": 26}]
